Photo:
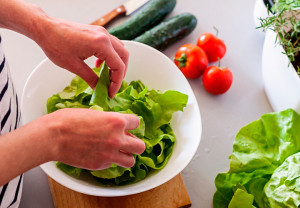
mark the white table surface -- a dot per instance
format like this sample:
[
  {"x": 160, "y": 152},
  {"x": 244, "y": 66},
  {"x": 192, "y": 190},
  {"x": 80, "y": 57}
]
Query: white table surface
[{"x": 222, "y": 116}]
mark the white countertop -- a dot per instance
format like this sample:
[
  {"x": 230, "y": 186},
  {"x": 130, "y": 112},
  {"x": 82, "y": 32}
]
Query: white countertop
[{"x": 222, "y": 116}]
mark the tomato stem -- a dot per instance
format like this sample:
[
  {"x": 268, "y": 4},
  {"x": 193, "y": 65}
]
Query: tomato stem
[
  {"x": 217, "y": 31},
  {"x": 182, "y": 60}
]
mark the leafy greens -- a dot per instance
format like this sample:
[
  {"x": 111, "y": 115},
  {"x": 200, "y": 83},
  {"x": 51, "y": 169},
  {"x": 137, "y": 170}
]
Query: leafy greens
[
  {"x": 264, "y": 165},
  {"x": 154, "y": 108}
]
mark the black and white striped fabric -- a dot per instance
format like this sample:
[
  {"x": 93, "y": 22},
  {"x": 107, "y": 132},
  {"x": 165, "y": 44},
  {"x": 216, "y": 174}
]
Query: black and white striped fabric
[{"x": 10, "y": 193}]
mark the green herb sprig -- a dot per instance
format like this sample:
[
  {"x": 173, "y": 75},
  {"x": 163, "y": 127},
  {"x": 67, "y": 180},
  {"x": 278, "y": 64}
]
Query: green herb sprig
[
  {"x": 286, "y": 4},
  {"x": 280, "y": 21}
]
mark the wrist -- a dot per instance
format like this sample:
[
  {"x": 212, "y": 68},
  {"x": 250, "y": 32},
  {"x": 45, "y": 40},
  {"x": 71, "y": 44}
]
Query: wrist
[
  {"x": 35, "y": 25},
  {"x": 52, "y": 128},
  {"x": 25, "y": 148}
]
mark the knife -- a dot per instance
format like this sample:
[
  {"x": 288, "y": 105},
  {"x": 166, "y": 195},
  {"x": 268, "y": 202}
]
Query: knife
[{"x": 124, "y": 10}]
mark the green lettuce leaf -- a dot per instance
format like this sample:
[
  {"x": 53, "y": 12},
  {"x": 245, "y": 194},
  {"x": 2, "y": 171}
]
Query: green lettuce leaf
[
  {"x": 69, "y": 169},
  {"x": 68, "y": 104},
  {"x": 51, "y": 103},
  {"x": 283, "y": 189},
  {"x": 168, "y": 104},
  {"x": 96, "y": 107},
  {"x": 100, "y": 95},
  {"x": 241, "y": 198},
  {"x": 158, "y": 108},
  {"x": 113, "y": 172},
  {"x": 258, "y": 151},
  {"x": 123, "y": 100},
  {"x": 82, "y": 86}
]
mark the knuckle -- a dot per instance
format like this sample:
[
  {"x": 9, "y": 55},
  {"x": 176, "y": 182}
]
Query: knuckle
[
  {"x": 101, "y": 38},
  {"x": 95, "y": 164},
  {"x": 116, "y": 63},
  {"x": 102, "y": 29},
  {"x": 114, "y": 143},
  {"x": 118, "y": 122},
  {"x": 124, "y": 53},
  {"x": 122, "y": 66},
  {"x": 104, "y": 157}
]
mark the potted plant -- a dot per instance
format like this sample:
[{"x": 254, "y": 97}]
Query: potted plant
[
  {"x": 261, "y": 10},
  {"x": 281, "y": 55}
]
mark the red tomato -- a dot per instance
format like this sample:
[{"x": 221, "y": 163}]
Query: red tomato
[
  {"x": 191, "y": 60},
  {"x": 217, "y": 80},
  {"x": 214, "y": 47}
]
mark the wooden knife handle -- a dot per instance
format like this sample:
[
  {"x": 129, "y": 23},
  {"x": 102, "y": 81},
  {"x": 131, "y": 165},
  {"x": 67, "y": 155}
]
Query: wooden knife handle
[{"x": 120, "y": 11}]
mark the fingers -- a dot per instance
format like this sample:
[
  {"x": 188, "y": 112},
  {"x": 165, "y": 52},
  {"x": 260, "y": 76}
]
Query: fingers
[
  {"x": 117, "y": 68},
  {"x": 131, "y": 121},
  {"x": 121, "y": 50},
  {"x": 117, "y": 71},
  {"x": 123, "y": 159},
  {"x": 132, "y": 144},
  {"x": 85, "y": 72},
  {"x": 113, "y": 89},
  {"x": 129, "y": 142},
  {"x": 116, "y": 57}
]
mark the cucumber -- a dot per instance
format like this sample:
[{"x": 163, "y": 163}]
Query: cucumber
[
  {"x": 169, "y": 31},
  {"x": 147, "y": 17}
]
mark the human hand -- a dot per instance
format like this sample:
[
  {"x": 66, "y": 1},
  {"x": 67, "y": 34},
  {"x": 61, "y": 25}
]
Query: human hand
[
  {"x": 83, "y": 138},
  {"x": 93, "y": 139},
  {"x": 68, "y": 44}
]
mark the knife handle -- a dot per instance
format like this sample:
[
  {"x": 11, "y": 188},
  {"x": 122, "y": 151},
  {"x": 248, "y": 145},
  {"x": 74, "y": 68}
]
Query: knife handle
[{"x": 109, "y": 17}]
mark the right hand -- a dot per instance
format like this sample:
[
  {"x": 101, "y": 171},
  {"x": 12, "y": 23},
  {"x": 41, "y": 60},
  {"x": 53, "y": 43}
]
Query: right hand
[
  {"x": 68, "y": 44},
  {"x": 93, "y": 139}
]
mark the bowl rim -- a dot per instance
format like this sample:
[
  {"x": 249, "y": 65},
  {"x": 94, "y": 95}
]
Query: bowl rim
[{"x": 153, "y": 185}]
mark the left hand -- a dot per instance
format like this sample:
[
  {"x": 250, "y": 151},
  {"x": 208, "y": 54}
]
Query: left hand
[{"x": 68, "y": 44}]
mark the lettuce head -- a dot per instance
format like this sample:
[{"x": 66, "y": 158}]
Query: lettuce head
[{"x": 265, "y": 162}]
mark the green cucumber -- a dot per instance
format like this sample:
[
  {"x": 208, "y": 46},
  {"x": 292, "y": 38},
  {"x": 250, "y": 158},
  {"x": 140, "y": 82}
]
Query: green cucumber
[
  {"x": 147, "y": 17},
  {"x": 169, "y": 31}
]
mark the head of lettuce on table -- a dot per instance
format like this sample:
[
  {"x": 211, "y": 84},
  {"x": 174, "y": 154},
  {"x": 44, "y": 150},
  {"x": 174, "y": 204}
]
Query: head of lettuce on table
[{"x": 264, "y": 165}]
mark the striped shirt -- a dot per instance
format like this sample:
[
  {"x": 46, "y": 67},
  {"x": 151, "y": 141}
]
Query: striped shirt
[{"x": 10, "y": 193}]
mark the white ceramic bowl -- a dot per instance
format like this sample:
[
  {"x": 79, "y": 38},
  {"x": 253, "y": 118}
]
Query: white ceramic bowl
[{"x": 155, "y": 70}]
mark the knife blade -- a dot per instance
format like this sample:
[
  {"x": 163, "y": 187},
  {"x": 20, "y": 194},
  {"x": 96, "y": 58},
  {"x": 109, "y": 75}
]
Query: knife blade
[
  {"x": 124, "y": 10},
  {"x": 132, "y": 5}
]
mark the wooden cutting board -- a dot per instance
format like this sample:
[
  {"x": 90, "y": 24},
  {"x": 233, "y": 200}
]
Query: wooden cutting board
[{"x": 172, "y": 194}]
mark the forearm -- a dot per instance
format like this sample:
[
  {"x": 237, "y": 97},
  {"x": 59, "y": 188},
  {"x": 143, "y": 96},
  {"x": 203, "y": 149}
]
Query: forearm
[
  {"x": 23, "y": 149},
  {"x": 22, "y": 17}
]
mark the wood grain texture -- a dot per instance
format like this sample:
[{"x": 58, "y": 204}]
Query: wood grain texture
[{"x": 172, "y": 194}]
